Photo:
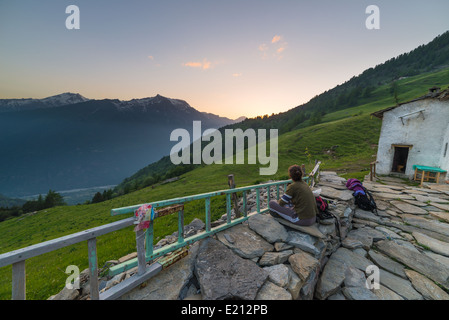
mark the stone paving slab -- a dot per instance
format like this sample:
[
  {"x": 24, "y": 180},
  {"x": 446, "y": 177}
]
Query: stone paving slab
[
  {"x": 416, "y": 261},
  {"x": 434, "y": 245},
  {"x": 393, "y": 196},
  {"x": 440, "y": 215},
  {"x": 311, "y": 230},
  {"x": 408, "y": 208},
  {"x": 416, "y": 203},
  {"x": 425, "y": 223},
  {"x": 426, "y": 287},
  {"x": 444, "y": 207}
]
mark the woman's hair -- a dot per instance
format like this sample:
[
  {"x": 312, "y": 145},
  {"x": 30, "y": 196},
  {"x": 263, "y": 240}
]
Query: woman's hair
[{"x": 295, "y": 172}]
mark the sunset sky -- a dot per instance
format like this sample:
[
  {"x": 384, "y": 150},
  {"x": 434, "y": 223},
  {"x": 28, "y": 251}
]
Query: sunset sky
[{"x": 231, "y": 58}]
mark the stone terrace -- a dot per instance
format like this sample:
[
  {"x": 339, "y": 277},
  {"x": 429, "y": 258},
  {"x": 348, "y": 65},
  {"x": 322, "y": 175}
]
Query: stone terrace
[{"x": 267, "y": 258}]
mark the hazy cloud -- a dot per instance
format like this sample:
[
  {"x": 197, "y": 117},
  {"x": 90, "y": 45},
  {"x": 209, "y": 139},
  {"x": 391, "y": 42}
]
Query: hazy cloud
[
  {"x": 275, "y": 49},
  {"x": 205, "y": 65},
  {"x": 280, "y": 50},
  {"x": 193, "y": 64},
  {"x": 276, "y": 38},
  {"x": 263, "y": 47}
]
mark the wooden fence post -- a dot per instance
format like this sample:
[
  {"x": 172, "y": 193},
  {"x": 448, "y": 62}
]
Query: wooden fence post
[
  {"x": 231, "y": 184},
  {"x": 93, "y": 268},
  {"x": 18, "y": 281},
  {"x": 372, "y": 170},
  {"x": 303, "y": 168}
]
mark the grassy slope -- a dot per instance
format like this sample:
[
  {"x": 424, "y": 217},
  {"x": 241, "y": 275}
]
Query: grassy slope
[
  {"x": 352, "y": 130},
  {"x": 409, "y": 88}
]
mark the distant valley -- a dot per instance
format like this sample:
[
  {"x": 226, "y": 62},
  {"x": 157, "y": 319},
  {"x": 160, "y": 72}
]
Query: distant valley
[{"x": 68, "y": 141}]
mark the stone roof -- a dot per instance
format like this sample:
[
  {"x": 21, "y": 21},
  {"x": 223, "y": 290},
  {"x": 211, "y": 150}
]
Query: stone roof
[{"x": 434, "y": 93}]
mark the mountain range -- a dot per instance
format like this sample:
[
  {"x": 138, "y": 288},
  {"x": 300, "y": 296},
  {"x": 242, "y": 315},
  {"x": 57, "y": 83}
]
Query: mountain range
[
  {"x": 11, "y": 105},
  {"x": 68, "y": 141}
]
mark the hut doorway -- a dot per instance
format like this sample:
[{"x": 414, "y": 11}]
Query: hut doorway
[{"x": 400, "y": 158}]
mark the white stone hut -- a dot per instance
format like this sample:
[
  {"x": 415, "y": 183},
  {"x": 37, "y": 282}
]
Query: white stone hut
[{"x": 415, "y": 133}]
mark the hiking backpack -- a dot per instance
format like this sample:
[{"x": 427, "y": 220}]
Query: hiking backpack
[
  {"x": 365, "y": 201},
  {"x": 322, "y": 206},
  {"x": 324, "y": 214},
  {"x": 363, "y": 198}
]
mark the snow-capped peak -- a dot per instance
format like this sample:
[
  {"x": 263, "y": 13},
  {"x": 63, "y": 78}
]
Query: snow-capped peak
[
  {"x": 64, "y": 99},
  {"x": 9, "y": 105},
  {"x": 152, "y": 102}
]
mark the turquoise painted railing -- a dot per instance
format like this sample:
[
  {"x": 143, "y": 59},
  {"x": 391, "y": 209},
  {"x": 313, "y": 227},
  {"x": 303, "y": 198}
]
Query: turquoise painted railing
[{"x": 151, "y": 254}]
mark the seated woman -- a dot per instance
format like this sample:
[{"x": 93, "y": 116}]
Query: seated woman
[{"x": 298, "y": 204}]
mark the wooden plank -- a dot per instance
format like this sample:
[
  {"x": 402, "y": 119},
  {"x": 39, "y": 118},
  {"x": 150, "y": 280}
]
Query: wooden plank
[
  {"x": 410, "y": 146},
  {"x": 315, "y": 169},
  {"x": 169, "y": 210},
  {"x": 51, "y": 245},
  {"x": 317, "y": 180},
  {"x": 172, "y": 258},
  {"x": 231, "y": 183},
  {"x": 18, "y": 281},
  {"x": 422, "y": 178},
  {"x": 93, "y": 269},
  {"x": 126, "y": 285}
]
